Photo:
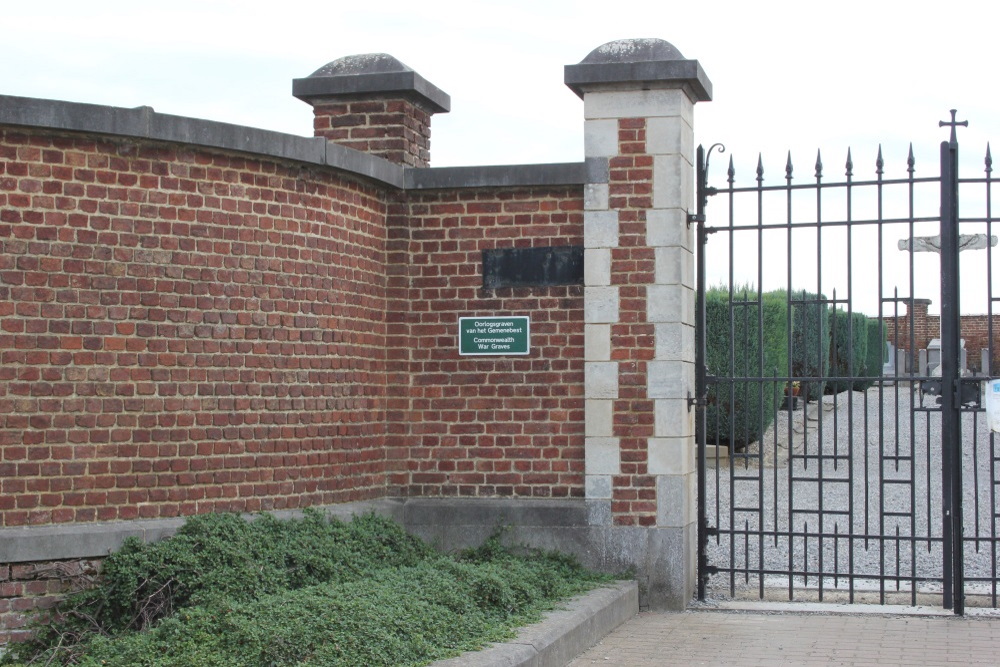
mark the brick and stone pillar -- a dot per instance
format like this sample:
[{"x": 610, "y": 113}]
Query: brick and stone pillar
[
  {"x": 638, "y": 98},
  {"x": 375, "y": 104}
]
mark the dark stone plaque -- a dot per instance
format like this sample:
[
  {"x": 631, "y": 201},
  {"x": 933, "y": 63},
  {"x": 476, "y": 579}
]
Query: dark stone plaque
[{"x": 532, "y": 267}]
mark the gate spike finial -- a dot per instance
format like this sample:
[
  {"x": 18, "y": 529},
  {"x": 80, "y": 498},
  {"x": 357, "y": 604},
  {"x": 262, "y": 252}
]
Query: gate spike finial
[
  {"x": 760, "y": 168},
  {"x": 910, "y": 161},
  {"x": 731, "y": 173},
  {"x": 788, "y": 167},
  {"x": 850, "y": 164},
  {"x": 879, "y": 162},
  {"x": 989, "y": 159},
  {"x": 819, "y": 165}
]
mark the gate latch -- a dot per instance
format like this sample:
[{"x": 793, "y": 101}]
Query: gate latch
[{"x": 967, "y": 393}]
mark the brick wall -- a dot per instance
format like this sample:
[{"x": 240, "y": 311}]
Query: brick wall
[
  {"x": 28, "y": 587},
  {"x": 397, "y": 129},
  {"x": 184, "y": 331},
  {"x": 974, "y": 329},
  {"x": 482, "y": 426}
]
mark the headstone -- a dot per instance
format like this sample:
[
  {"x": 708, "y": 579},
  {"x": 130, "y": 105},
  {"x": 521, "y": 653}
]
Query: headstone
[
  {"x": 902, "y": 361},
  {"x": 923, "y": 363},
  {"x": 984, "y": 361},
  {"x": 934, "y": 353},
  {"x": 889, "y": 367}
]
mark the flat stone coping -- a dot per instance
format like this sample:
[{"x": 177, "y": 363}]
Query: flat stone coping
[
  {"x": 71, "y": 541},
  {"x": 593, "y": 170},
  {"x": 145, "y": 123},
  {"x": 563, "y": 634}
]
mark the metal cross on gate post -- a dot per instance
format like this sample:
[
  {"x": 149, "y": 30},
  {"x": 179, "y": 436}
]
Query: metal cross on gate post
[
  {"x": 953, "y": 123},
  {"x": 951, "y": 424},
  {"x": 965, "y": 241}
]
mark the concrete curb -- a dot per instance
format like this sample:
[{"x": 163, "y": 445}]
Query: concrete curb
[{"x": 563, "y": 634}]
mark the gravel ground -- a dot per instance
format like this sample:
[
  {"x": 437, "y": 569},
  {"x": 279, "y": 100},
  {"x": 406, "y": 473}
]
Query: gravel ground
[{"x": 855, "y": 467}]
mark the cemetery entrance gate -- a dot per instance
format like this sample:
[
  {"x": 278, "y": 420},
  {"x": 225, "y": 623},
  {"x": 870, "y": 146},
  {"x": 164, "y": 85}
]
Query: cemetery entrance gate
[{"x": 830, "y": 470}]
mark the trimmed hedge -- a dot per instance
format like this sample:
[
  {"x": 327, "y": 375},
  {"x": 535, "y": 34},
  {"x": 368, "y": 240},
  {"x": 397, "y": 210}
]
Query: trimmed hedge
[
  {"x": 749, "y": 341},
  {"x": 848, "y": 349},
  {"x": 875, "y": 355},
  {"x": 810, "y": 351}
]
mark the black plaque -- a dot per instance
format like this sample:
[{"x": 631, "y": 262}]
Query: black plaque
[{"x": 533, "y": 267}]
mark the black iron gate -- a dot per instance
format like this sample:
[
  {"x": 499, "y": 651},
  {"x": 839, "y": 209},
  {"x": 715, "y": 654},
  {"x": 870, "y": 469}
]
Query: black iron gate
[{"x": 834, "y": 466}]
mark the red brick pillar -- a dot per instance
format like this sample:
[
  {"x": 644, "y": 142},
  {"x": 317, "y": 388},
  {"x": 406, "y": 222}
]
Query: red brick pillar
[
  {"x": 375, "y": 104},
  {"x": 923, "y": 331},
  {"x": 639, "y": 97}
]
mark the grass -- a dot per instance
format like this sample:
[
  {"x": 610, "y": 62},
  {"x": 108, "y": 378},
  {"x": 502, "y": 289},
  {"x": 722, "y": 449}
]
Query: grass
[{"x": 307, "y": 592}]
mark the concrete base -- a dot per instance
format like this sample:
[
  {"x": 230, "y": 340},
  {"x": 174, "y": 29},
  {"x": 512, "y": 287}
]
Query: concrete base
[
  {"x": 661, "y": 560},
  {"x": 562, "y": 635}
]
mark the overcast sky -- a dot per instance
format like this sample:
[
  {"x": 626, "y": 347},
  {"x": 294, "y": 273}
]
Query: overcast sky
[{"x": 796, "y": 76}]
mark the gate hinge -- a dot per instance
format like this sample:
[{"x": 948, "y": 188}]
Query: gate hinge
[
  {"x": 695, "y": 401},
  {"x": 711, "y": 531},
  {"x": 694, "y": 217}
]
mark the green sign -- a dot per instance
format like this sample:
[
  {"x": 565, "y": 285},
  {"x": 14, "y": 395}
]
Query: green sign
[{"x": 493, "y": 335}]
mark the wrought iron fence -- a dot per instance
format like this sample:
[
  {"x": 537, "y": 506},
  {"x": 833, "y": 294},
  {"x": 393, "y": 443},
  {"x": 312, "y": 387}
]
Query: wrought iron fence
[{"x": 827, "y": 472}]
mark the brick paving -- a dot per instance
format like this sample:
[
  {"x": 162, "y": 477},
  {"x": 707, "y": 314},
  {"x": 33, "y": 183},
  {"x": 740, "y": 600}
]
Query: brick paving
[{"x": 753, "y": 638}]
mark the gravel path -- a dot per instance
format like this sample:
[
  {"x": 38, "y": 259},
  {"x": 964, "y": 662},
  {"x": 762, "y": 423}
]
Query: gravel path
[{"x": 853, "y": 468}]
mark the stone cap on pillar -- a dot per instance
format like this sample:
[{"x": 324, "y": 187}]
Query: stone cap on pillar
[
  {"x": 638, "y": 64},
  {"x": 370, "y": 74}
]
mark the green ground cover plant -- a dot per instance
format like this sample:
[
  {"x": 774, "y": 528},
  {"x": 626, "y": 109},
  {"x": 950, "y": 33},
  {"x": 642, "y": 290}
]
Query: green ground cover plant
[{"x": 225, "y": 591}]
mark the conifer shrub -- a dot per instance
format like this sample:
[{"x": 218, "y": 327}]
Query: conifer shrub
[
  {"x": 747, "y": 342},
  {"x": 227, "y": 592},
  {"x": 810, "y": 342},
  {"x": 848, "y": 348},
  {"x": 875, "y": 354}
]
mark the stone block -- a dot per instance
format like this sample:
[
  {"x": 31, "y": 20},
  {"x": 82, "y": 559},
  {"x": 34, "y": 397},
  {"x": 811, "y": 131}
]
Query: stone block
[
  {"x": 600, "y": 138},
  {"x": 638, "y": 104},
  {"x": 600, "y": 229},
  {"x": 669, "y": 303},
  {"x": 599, "y": 509},
  {"x": 671, "y": 456},
  {"x": 601, "y": 379},
  {"x": 598, "y": 418},
  {"x": 597, "y": 266},
  {"x": 600, "y": 305},
  {"x": 671, "y": 567},
  {"x": 597, "y": 342},
  {"x": 674, "y": 342},
  {"x": 673, "y": 182},
  {"x": 596, "y": 196},
  {"x": 670, "y": 379},
  {"x": 668, "y": 227},
  {"x": 672, "y": 418},
  {"x": 670, "y": 135},
  {"x": 602, "y": 456},
  {"x": 597, "y": 486},
  {"x": 674, "y": 266},
  {"x": 676, "y": 502}
]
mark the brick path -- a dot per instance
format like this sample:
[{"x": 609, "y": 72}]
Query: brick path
[{"x": 752, "y": 638}]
